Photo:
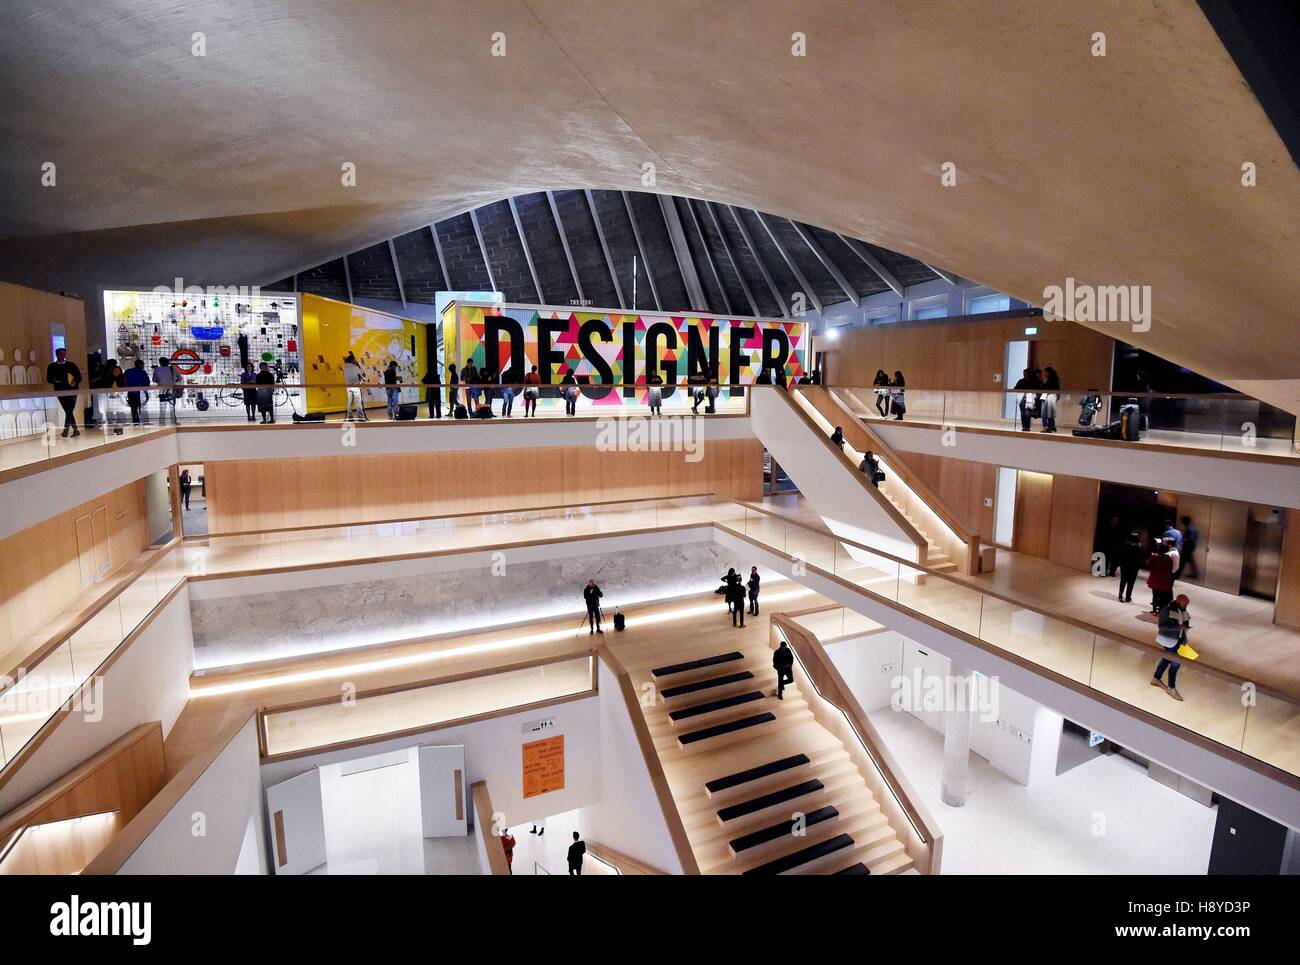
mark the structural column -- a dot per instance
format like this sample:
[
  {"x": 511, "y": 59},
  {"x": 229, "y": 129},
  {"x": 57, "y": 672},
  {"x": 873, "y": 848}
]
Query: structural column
[{"x": 958, "y": 717}]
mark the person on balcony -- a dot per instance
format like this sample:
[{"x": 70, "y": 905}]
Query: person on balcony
[
  {"x": 655, "y": 395},
  {"x": 570, "y": 384},
  {"x": 881, "y": 382},
  {"x": 137, "y": 378},
  {"x": 1172, "y": 633},
  {"x": 64, "y": 376},
  {"x": 1160, "y": 576},
  {"x": 1047, "y": 403},
  {"x": 266, "y": 394},
  {"x": 433, "y": 391},
  {"x": 897, "y": 402},
  {"x": 391, "y": 390},
  {"x": 1128, "y": 558},
  {"x": 532, "y": 392},
  {"x": 591, "y": 594},
  {"x": 754, "y": 582},
  {"x": 352, "y": 379},
  {"x": 1028, "y": 388}
]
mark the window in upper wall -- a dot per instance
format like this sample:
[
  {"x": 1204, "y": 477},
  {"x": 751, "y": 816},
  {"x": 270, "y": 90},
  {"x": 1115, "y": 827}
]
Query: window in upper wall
[
  {"x": 880, "y": 315},
  {"x": 992, "y": 302},
  {"x": 936, "y": 307}
]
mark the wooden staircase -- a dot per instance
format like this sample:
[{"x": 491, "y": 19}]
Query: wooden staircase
[
  {"x": 935, "y": 558},
  {"x": 760, "y": 786}
]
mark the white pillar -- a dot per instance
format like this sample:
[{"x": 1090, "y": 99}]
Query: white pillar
[{"x": 957, "y": 721}]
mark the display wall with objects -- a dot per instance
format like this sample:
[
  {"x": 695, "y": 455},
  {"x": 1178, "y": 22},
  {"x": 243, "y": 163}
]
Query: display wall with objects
[
  {"x": 606, "y": 346},
  {"x": 208, "y": 336}
]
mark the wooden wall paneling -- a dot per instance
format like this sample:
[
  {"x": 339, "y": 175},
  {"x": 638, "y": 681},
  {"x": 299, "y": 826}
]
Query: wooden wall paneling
[
  {"x": 1033, "y": 532},
  {"x": 1287, "y": 608},
  {"x": 41, "y": 567},
  {"x": 1074, "y": 521}
]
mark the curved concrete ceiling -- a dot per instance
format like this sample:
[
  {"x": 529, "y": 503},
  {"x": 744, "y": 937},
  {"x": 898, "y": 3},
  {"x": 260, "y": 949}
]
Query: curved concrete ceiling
[{"x": 225, "y": 168}]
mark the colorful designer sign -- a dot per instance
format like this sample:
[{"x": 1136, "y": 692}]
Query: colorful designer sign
[{"x": 605, "y": 347}]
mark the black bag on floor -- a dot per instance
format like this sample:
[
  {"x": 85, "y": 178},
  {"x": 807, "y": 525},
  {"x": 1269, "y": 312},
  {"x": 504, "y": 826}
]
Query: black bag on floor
[
  {"x": 406, "y": 413},
  {"x": 309, "y": 417},
  {"x": 462, "y": 412},
  {"x": 619, "y": 622}
]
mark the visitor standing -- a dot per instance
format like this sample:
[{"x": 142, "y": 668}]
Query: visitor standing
[{"x": 64, "y": 376}]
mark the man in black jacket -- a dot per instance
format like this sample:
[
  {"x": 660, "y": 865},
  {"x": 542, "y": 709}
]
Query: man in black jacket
[
  {"x": 576, "y": 851},
  {"x": 736, "y": 602},
  {"x": 1129, "y": 558},
  {"x": 591, "y": 593},
  {"x": 783, "y": 663},
  {"x": 64, "y": 376},
  {"x": 754, "y": 581}
]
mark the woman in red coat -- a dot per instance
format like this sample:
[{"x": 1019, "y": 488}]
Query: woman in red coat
[{"x": 1161, "y": 577}]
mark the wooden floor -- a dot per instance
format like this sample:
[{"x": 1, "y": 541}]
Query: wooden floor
[{"x": 793, "y": 731}]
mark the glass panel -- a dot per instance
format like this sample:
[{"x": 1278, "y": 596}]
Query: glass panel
[
  {"x": 91, "y": 645},
  {"x": 1272, "y": 732},
  {"x": 871, "y": 571},
  {"x": 814, "y": 548},
  {"x": 947, "y": 601},
  {"x": 29, "y": 703},
  {"x": 1211, "y": 705},
  {"x": 1051, "y": 643}
]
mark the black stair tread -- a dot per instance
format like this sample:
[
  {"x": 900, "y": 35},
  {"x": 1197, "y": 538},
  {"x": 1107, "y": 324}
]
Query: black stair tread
[
  {"x": 731, "y": 812},
  {"x": 795, "y": 858},
  {"x": 698, "y": 664},
  {"x": 754, "y": 773},
  {"x": 781, "y": 829},
  {"x": 855, "y": 869},
  {"x": 721, "y": 704},
  {"x": 682, "y": 689},
  {"x": 718, "y": 730}
]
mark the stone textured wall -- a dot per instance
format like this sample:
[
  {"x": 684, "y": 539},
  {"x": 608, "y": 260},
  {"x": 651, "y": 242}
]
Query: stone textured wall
[{"x": 272, "y": 625}]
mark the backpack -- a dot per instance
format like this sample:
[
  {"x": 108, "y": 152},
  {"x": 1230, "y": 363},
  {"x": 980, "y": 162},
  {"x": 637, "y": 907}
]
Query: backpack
[
  {"x": 619, "y": 622},
  {"x": 461, "y": 412}
]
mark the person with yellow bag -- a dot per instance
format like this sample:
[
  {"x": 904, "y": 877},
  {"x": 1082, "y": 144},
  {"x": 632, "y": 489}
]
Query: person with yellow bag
[{"x": 1171, "y": 634}]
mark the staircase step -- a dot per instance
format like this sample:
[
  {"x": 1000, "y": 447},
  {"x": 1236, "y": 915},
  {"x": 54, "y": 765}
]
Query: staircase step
[
  {"x": 731, "y": 812},
  {"x": 708, "y": 707},
  {"x": 788, "y": 862},
  {"x": 855, "y": 869},
  {"x": 697, "y": 664},
  {"x": 755, "y": 773},
  {"x": 707, "y": 684},
  {"x": 781, "y": 829},
  {"x": 730, "y": 726}
]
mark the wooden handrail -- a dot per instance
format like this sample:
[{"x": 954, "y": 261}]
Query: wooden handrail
[
  {"x": 872, "y": 492},
  {"x": 496, "y": 852},
  {"x": 926, "y": 847},
  {"x": 620, "y": 862},
  {"x": 650, "y": 756}
]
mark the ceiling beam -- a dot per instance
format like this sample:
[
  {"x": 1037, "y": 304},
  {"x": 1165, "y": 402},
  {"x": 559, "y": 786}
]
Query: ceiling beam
[
  {"x": 708, "y": 256},
  {"x": 564, "y": 242},
  {"x": 636, "y": 233},
  {"x": 682, "y": 252},
  {"x": 947, "y": 276},
  {"x": 726, "y": 250},
  {"x": 872, "y": 262},
  {"x": 604, "y": 246},
  {"x": 528, "y": 255},
  {"x": 758, "y": 259},
  {"x": 820, "y": 254},
  {"x": 789, "y": 262},
  {"x": 482, "y": 250},
  {"x": 347, "y": 279},
  {"x": 442, "y": 262},
  {"x": 397, "y": 271}
]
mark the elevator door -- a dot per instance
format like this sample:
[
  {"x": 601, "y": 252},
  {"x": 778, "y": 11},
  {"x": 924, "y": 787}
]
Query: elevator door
[{"x": 1262, "y": 557}]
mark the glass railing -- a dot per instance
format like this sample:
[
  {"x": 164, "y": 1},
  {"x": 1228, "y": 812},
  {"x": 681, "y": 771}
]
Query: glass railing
[
  {"x": 1216, "y": 704},
  {"x": 59, "y": 674},
  {"x": 331, "y": 721},
  {"x": 1222, "y": 423}
]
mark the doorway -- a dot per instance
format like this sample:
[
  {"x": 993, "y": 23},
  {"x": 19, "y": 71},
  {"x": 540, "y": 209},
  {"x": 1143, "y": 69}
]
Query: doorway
[
  {"x": 1262, "y": 553},
  {"x": 1017, "y": 362},
  {"x": 193, "y": 496}
]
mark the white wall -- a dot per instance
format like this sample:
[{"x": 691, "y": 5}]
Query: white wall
[
  {"x": 226, "y": 801},
  {"x": 494, "y": 753},
  {"x": 150, "y": 681},
  {"x": 628, "y": 817},
  {"x": 869, "y": 664}
]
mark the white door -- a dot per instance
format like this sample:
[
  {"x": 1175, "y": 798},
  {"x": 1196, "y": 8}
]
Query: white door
[
  {"x": 443, "y": 808},
  {"x": 297, "y": 824}
]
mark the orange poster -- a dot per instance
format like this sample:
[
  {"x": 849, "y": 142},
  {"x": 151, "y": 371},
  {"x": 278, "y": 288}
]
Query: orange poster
[{"x": 544, "y": 766}]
